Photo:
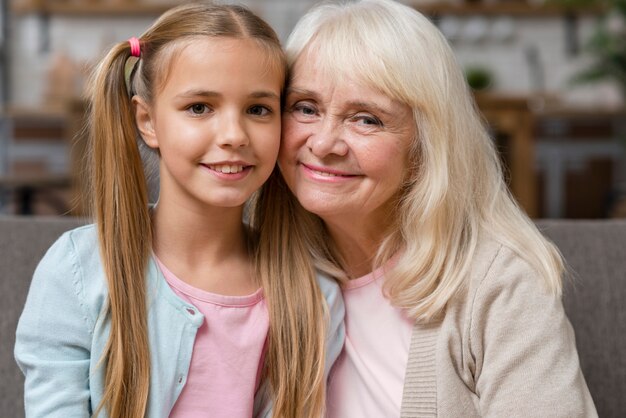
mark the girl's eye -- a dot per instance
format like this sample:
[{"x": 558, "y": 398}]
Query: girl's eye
[
  {"x": 259, "y": 110},
  {"x": 198, "y": 108}
]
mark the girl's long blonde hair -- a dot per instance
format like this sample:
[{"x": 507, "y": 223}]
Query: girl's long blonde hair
[
  {"x": 454, "y": 192},
  {"x": 294, "y": 361}
]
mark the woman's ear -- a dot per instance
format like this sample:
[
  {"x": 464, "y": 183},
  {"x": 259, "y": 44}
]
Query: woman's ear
[{"x": 143, "y": 118}]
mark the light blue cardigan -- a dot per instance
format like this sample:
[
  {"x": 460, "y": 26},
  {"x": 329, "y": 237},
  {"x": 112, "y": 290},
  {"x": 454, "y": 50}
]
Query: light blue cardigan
[{"x": 62, "y": 333}]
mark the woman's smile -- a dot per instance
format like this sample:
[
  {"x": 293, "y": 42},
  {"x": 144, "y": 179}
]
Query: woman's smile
[{"x": 326, "y": 174}]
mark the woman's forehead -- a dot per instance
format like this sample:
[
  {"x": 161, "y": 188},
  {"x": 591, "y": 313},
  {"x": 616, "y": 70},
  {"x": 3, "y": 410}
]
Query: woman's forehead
[
  {"x": 313, "y": 67},
  {"x": 310, "y": 76}
]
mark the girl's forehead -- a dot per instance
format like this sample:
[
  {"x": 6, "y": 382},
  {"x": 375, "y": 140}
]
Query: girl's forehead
[{"x": 211, "y": 50}]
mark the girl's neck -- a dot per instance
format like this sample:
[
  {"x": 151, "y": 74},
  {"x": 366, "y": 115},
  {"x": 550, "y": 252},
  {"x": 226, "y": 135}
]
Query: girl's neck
[{"x": 204, "y": 246}]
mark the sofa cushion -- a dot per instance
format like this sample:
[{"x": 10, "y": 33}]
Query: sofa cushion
[
  {"x": 594, "y": 296},
  {"x": 23, "y": 242},
  {"x": 594, "y": 299}
]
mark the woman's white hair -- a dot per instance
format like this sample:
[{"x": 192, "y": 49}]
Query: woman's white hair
[{"x": 454, "y": 191}]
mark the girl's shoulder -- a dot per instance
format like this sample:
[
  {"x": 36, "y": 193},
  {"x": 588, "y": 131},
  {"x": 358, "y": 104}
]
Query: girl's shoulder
[
  {"x": 73, "y": 244},
  {"x": 334, "y": 300},
  {"x": 329, "y": 286},
  {"x": 74, "y": 255},
  {"x": 81, "y": 236},
  {"x": 68, "y": 281}
]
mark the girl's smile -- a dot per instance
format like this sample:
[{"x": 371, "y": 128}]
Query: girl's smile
[
  {"x": 216, "y": 122},
  {"x": 229, "y": 171}
]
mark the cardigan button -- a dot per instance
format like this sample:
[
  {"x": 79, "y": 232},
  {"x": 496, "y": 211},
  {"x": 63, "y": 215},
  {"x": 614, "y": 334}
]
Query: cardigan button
[{"x": 191, "y": 311}]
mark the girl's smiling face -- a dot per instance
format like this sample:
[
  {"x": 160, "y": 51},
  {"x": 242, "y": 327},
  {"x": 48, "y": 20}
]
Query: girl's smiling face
[
  {"x": 345, "y": 145},
  {"x": 215, "y": 122}
]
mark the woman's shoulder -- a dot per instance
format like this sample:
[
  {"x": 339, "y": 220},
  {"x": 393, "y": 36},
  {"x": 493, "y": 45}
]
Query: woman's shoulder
[
  {"x": 515, "y": 331},
  {"x": 502, "y": 282},
  {"x": 496, "y": 264}
]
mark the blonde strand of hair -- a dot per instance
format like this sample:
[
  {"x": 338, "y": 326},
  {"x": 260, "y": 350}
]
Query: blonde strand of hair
[
  {"x": 120, "y": 210},
  {"x": 288, "y": 276}
]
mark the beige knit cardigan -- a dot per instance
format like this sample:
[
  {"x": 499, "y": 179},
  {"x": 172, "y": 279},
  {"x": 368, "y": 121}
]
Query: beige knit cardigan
[{"x": 503, "y": 348}]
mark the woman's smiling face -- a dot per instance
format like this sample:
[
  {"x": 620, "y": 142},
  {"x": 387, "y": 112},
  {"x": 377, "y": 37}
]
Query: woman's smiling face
[{"x": 345, "y": 145}]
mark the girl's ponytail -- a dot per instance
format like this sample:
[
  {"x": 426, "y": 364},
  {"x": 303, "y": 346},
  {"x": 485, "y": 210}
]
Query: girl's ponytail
[
  {"x": 296, "y": 352},
  {"x": 120, "y": 209}
]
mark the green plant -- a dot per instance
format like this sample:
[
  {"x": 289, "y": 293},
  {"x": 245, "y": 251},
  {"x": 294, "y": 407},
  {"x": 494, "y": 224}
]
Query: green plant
[
  {"x": 478, "y": 78},
  {"x": 607, "y": 44}
]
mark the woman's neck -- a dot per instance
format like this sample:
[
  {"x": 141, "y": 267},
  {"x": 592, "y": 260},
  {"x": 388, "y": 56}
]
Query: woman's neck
[{"x": 357, "y": 245}]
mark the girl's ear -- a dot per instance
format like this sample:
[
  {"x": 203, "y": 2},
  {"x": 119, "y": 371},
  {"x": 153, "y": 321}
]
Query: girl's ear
[{"x": 143, "y": 118}]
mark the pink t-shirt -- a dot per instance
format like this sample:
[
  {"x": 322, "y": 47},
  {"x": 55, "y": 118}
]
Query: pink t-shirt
[
  {"x": 228, "y": 353},
  {"x": 367, "y": 380}
]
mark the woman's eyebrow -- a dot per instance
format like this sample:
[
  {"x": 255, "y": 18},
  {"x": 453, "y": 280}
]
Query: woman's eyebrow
[
  {"x": 369, "y": 106},
  {"x": 301, "y": 92}
]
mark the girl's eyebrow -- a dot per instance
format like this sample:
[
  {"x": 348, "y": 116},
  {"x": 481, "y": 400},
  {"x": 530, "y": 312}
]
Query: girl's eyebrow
[
  {"x": 264, "y": 94},
  {"x": 198, "y": 93},
  {"x": 208, "y": 93}
]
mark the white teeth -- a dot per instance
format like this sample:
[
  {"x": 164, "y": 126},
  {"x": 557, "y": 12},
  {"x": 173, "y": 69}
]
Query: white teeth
[
  {"x": 324, "y": 173},
  {"x": 227, "y": 169}
]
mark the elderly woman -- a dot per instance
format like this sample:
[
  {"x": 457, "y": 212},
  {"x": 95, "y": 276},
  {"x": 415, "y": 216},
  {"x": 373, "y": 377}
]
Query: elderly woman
[{"x": 452, "y": 295}]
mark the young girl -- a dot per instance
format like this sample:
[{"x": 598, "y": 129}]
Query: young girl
[{"x": 181, "y": 310}]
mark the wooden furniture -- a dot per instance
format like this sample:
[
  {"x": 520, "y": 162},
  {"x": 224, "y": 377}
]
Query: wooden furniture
[
  {"x": 139, "y": 7},
  {"x": 560, "y": 160},
  {"x": 88, "y": 8},
  {"x": 511, "y": 116},
  {"x": 34, "y": 144},
  {"x": 579, "y": 152},
  {"x": 27, "y": 186}
]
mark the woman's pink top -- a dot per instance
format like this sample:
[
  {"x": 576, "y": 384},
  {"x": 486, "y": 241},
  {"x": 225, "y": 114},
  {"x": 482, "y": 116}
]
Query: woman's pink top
[
  {"x": 367, "y": 380},
  {"x": 228, "y": 353}
]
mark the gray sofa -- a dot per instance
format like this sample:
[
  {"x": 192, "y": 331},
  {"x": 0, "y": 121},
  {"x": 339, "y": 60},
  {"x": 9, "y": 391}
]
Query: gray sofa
[{"x": 595, "y": 299}]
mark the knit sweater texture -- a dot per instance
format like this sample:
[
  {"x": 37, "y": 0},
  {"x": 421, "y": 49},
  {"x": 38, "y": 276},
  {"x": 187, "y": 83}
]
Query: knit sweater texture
[{"x": 503, "y": 348}]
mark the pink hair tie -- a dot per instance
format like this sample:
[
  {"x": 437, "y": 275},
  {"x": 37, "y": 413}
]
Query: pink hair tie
[{"x": 135, "y": 48}]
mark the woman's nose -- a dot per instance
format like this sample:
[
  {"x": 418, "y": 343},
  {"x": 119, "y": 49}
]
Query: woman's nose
[
  {"x": 328, "y": 139},
  {"x": 232, "y": 131}
]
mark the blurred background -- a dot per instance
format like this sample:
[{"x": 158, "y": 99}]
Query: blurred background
[{"x": 549, "y": 77}]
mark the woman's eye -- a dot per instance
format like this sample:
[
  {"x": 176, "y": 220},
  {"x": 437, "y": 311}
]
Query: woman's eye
[
  {"x": 259, "y": 110},
  {"x": 198, "y": 108},
  {"x": 368, "y": 120},
  {"x": 304, "y": 109}
]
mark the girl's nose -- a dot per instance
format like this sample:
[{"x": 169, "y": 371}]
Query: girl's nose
[{"x": 232, "y": 131}]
